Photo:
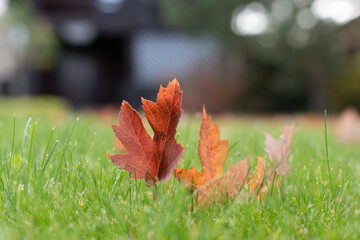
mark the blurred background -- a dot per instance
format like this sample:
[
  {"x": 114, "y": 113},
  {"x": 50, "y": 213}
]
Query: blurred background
[{"x": 245, "y": 56}]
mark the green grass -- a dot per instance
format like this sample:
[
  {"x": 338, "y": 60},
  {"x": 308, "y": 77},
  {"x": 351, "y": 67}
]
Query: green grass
[{"x": 59, "y": 184}]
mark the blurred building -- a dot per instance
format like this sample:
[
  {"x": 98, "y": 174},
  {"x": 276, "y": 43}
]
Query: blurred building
[
  {"x": 277, "y": 55},
  {"x": 115, "y": 49}
]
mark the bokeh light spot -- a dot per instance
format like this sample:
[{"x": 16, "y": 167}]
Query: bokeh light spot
[{"x": 251, "y": 20}]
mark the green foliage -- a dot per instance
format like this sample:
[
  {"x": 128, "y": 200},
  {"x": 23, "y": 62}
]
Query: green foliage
[
  {"x": 282, "y": 76},
  {"x": 345, "y": 87},
  {"x": 43, "y": 46},
  {"x": 76, "y": 192}
]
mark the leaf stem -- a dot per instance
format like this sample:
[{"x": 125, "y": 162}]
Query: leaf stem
[{"x": 154, "y": 193}]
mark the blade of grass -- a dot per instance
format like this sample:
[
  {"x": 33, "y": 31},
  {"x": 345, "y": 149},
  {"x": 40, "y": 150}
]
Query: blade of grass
[
  {"x": 31, "y": 146},
  {"x": 50, "y": 155},
  {"x": 327, "y": 157},
  {"x": 13, "y": 141},
  {"x": 24, "y": 137},
  {"x": 233, "y": 145},
  {"x": 47, "y": 146}
]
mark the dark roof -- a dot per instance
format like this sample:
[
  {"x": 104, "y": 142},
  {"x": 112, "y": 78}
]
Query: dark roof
[{"x": 108, "y": 15}]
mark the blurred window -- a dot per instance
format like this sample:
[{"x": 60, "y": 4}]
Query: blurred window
[
  {"x": 3, "y": 6},
  {"x": 109, "y": 6},
  {"x": 78, "y": 32},
  {"x": 160, "y": 56}
]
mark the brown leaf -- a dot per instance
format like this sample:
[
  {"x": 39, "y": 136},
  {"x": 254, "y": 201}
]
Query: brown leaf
[
  {"x": 212, "y": 183},
  {"x": 280, "y": 149},
  {"x": 348, "y": 126},
  {"x": 235, "y": 177},
  {"x": 151, "y": 158}
]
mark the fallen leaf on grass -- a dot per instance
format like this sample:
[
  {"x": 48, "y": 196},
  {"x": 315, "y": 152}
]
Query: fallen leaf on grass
[
  {"x": 211, "y": 184},
  {"x": 154, "y": 158},
  {"x": 278, "y": 152},
  {"x": 348, "y": 127},
  {"x": 257, "y": 179},
  {"x": 235, "y": 177}
]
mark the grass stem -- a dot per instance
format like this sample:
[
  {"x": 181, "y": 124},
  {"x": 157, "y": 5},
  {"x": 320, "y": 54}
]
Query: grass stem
[
  {"x": 327, "y": 156},
  {"x": 31, "y": 146},
  {"x": 13, "y": 142}
]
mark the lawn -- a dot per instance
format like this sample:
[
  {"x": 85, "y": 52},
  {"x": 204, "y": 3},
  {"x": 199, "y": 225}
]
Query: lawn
[{"x": 58, "y": 183}]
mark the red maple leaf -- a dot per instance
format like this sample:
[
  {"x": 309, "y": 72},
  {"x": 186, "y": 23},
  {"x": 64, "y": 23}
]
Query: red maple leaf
[{"x": 154, "y": 158}]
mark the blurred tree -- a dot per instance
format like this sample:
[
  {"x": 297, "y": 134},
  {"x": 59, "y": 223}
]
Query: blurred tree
[
  {"x": 28, "y": 43},
  {"x": 290, "y": 63},
  {"x": 42, "y": 45},
  {"x": 345, "y": 86}
]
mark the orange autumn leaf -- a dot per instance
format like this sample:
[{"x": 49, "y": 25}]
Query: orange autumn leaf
[
  {"x": 256, "y": 181},
  {"x": 211, "y": 183},
  {"x": 212, "y": 154},
  {"x": 153, "y": 158}
]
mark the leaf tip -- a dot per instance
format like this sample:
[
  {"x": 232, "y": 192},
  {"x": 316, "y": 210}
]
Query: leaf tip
[
  {"x": 124, "y": 104},
  {"x": 114, "y": 127},
  {"x": 204, "y": 110}
]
